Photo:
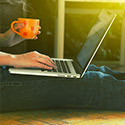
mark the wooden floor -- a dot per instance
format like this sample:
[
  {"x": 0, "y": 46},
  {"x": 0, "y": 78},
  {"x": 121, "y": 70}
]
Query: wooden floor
[{"x": 64, "y": 117}]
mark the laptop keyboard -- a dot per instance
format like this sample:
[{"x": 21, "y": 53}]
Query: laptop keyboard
[{"x": 62, "y": 67}]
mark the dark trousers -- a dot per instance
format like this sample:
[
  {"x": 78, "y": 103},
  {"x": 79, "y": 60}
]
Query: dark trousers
[{"x": 99, "y": 88}]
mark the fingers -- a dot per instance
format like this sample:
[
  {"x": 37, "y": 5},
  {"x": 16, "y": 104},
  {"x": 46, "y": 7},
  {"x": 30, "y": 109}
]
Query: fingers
[
  {"x": 46, "y": 62},
  {"x": 44, "y": 56},
  {"x": 39, "y": 27},
  {"x": 19, "y": 26},
  {"x": 39, "y": 32},
  {"x": 36, "y": 37},
  {"x": 40, "y": 65},
  {"x": 48, "y": 58}
]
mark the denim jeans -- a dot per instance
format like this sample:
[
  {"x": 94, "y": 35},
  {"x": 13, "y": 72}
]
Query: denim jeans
[{"x": 99, "y": 88}]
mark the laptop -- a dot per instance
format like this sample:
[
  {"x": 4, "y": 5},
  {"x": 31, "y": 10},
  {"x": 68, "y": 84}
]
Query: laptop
[{"x": 76, "y": 68}]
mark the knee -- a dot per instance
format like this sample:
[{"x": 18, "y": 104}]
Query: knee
[
  {"x": 98, "y": 75},
  {"x": 92, "y": 67}
]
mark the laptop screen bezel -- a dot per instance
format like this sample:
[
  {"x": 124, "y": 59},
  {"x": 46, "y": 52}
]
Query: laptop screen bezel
[{"x": 83, "y": 70}]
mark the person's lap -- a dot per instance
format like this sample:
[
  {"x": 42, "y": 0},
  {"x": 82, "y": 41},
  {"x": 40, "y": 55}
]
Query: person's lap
[{"x": 97, "y": 89}]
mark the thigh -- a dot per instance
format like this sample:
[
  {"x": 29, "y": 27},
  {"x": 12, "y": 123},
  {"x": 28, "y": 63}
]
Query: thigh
[
  {"x": 106, "y": 91},
  {"x": 22, "y": 92},
  {"x": 103, "y": 69},
  {"x": 19, "y": 92}
]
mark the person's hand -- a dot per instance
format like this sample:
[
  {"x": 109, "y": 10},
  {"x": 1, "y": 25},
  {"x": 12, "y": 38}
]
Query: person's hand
[
  {"x": 18, "y": 26},
  {"x": 21, "y": 25},
  {"x": 32, "y": 59},
  {"x": 39, "y": 32}
]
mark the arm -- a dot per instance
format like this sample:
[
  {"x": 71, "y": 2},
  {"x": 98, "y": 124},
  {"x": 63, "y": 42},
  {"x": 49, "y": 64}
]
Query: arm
[
  {"x": 10, "y": 38},
  {"x": 30, "y": 59},
  {"x": 17, "y": 39},
  {"x": 5, "y": 58}
]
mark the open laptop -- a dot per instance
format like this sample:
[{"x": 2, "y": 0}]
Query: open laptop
[{"x": 76, "y": 68}]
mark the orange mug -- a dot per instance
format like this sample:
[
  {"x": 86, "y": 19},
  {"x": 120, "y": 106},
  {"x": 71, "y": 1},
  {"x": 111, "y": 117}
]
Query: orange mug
[{"x": 30, "y": 29}]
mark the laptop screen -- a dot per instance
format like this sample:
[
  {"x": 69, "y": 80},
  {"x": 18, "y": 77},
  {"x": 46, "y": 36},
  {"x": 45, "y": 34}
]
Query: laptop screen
[{"x": 94, "y": 37}]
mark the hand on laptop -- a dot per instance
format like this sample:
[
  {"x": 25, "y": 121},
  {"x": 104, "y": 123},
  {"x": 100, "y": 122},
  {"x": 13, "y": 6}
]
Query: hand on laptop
[{"x": 32, "y": 59}]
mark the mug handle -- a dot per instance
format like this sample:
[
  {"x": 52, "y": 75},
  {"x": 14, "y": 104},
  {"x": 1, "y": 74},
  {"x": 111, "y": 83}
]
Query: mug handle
[{"x": 13, "y": 28}]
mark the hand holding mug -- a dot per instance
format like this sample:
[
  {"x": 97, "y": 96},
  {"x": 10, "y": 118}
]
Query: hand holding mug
[{"x": 27, "y": 28}]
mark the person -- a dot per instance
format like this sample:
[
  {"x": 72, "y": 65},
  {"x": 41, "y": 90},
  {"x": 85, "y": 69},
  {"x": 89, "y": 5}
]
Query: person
[
  {"x": 31, "y": 59},
  {"x": 100, "y": 87}
]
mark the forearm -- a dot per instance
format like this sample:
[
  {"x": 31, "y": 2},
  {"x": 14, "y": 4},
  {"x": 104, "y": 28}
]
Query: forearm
[
  {"x": 9, "y": 38},
  {"x": 17, "y": 39},
  {"x": 30, "y": 59},
  {"x": 5, "y": 58},
  {"x": 6, "y": 37}
]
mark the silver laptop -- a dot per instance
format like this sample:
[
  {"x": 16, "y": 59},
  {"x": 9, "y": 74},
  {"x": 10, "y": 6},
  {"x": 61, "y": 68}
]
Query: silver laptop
[{"x": 76, "y": 68}]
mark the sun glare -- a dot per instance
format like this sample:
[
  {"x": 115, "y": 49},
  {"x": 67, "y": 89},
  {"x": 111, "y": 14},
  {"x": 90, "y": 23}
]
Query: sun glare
[{"x": 113, "y": 1}]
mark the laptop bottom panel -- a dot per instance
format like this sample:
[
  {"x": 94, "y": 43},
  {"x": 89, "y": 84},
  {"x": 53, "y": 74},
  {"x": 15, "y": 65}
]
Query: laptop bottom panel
[
  {"x": 65, "y": 68},
  {"x": 39, "y": 73}
]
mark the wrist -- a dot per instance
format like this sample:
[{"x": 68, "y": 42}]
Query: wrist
[
  {"x": 14, "y": 60},
  {"x": 5, "y": 59},
  {"x": 11, "y": 59}
]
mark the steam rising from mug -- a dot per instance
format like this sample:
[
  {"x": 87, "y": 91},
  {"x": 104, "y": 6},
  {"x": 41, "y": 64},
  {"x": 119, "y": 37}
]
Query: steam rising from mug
[{"x": 26, "y": 7}]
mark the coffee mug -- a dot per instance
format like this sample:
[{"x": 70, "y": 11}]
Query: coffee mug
[{"x": 30, "y": 29}]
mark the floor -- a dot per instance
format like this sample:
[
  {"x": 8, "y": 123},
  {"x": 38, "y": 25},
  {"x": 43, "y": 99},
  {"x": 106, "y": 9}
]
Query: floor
[{"x": 64, "y": 117}]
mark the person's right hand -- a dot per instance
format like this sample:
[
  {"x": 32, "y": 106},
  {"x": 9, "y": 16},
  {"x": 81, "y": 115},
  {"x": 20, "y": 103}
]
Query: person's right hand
[{"x": 32, "y": 59}]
